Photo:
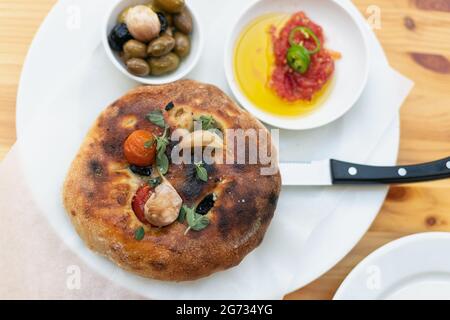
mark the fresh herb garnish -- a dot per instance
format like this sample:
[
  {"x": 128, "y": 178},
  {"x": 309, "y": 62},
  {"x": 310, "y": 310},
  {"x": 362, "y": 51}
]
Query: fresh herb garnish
[
  {"x": 208, "y": 122},
  {"x": 195, "y": 221},
  {"x": 156, "y": 117},
  {"x": 202, "y": 174},
  {"x": 182, "y": 214},
  {"x": 154, "y": 182},
  {"x": 162, "y": 141},
  {"x": 169, "y": 106},
  {"x": 148, "y": 144},
  {"x": 162, "y": 161},
  {"x": 139, "y": 233}
]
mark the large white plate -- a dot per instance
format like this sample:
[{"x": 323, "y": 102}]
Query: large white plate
[
  {"x": 416, "y": 267},
  {"x": 66, "y": 56}
]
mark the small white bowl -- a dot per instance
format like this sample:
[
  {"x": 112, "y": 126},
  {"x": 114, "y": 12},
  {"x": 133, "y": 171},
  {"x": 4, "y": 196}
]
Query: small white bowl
[
  {"x": 342, "y": 33},
  {"x": 187, "y": 64}
]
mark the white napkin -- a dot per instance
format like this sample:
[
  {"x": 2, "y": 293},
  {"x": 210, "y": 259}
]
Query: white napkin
[{"x": 35, "y": 263}]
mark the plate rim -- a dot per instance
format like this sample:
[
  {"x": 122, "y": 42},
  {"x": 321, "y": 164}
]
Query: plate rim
[{"x": 386, "y": 249}]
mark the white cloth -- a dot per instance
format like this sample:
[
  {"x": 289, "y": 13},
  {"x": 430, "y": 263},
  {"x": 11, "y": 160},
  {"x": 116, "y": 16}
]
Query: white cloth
[{"x": 34, "y": 262}]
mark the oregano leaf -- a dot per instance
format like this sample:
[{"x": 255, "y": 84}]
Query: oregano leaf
[
  {"x": 201, "y": 172},
  {"x": 139, "y": 233},
  {"x": 156, "y": 117}
]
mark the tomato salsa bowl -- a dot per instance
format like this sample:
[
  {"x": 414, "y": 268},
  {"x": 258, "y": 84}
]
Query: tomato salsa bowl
[{"x": 297, "y": 64}]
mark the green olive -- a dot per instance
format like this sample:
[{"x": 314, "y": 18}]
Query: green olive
[
  {"x": 164, "y": 64},
  {"x": 171, "y": 6},
  {"x": 183, "y": 21},
  {"x": 135, "y": 49},
  {"x": 182, "y": 44},
  {"x": 123, "y": 15},
  {"x": 161, "y": 46},
  {"x": 138, "y": 67},
  {"x": 169, "y": 18},
  {"x": 168, "y": 32},
  {"x": 124, "y": 56},
  {"x": 152, "y": 5}
]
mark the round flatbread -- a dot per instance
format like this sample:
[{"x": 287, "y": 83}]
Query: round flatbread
[{"x": 100, "y": 187}]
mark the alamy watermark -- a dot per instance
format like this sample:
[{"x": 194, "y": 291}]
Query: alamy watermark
[
  {"x": 374, "y": 16},
  {"x": 73, "y": 21},
  {"x": 73, "y": 280},
  {"x": 226, "y": 147},
  {"x": 374, "y": 279}
]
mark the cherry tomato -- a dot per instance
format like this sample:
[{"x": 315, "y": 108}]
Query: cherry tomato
[
  {"x": 140, "y": 199},
  {"x": 140, "y": 148}
]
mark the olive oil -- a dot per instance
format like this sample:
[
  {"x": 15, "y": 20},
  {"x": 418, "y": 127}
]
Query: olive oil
[{"x": 253, "y": 64}]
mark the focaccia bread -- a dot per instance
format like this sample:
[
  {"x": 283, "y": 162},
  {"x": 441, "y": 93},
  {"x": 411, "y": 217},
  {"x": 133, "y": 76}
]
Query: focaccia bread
[{"x": 100, "y": 189}]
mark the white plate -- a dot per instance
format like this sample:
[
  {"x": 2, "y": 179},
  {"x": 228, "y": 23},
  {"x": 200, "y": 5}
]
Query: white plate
[
  {"x": 343, "y": 34},
  {"x": 416, "y": 267},
  {"x": 50, "y": 133}
]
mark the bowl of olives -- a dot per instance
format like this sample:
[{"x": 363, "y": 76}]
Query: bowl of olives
[{"x": 152, "y": 41}]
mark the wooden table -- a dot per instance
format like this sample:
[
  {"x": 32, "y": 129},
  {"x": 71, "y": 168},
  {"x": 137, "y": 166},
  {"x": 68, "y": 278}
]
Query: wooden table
[{"x": 416, "y": 37}]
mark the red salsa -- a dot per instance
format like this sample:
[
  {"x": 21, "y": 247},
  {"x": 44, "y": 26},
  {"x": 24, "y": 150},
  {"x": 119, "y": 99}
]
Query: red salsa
[{"x": 287, "y": 82}]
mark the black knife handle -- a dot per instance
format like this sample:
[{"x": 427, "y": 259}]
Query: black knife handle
[{"x": 351, "y": 173}]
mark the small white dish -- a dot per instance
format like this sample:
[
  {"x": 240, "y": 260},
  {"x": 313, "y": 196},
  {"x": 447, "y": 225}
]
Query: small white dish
[
  {"x": 416, "y": 267},
  {"x": 187, "y": 64},
  {"x": 343, "y": 34}
]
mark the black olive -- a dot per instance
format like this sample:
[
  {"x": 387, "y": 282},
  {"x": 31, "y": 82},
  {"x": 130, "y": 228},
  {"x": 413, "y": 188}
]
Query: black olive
[
  {"x": 163, "y": 21},
  {"x": 119, "y": 36},
  {"x": 206, "y": 204},
  {"x": 170, "y": 106},
  {"x": 142, "y": 171}
]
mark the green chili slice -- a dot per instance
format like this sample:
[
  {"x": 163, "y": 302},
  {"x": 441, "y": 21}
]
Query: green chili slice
[
  {"x": 298, "y": 58},
  {"x": 307, "y": 32}
]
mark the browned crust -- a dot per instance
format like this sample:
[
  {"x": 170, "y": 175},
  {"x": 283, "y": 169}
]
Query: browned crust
[{"x": 99, "y": 189}]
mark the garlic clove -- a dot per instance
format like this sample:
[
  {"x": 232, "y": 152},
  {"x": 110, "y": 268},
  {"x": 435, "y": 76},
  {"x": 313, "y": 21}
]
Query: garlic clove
[
  {"x": 143, "y": 23},
  {"x": 163, "y": 206},
  {"x": 201, "y": 138}
]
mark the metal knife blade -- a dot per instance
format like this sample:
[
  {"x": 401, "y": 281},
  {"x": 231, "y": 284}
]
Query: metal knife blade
[{"x": 315, "y": 173}]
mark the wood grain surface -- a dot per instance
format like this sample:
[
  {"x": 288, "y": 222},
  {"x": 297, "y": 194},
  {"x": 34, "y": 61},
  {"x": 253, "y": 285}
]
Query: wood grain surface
[{"x": 416, "y": 37}]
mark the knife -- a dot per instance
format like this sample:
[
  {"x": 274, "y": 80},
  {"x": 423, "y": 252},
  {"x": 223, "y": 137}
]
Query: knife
[{"x": 334, "y": 172}]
